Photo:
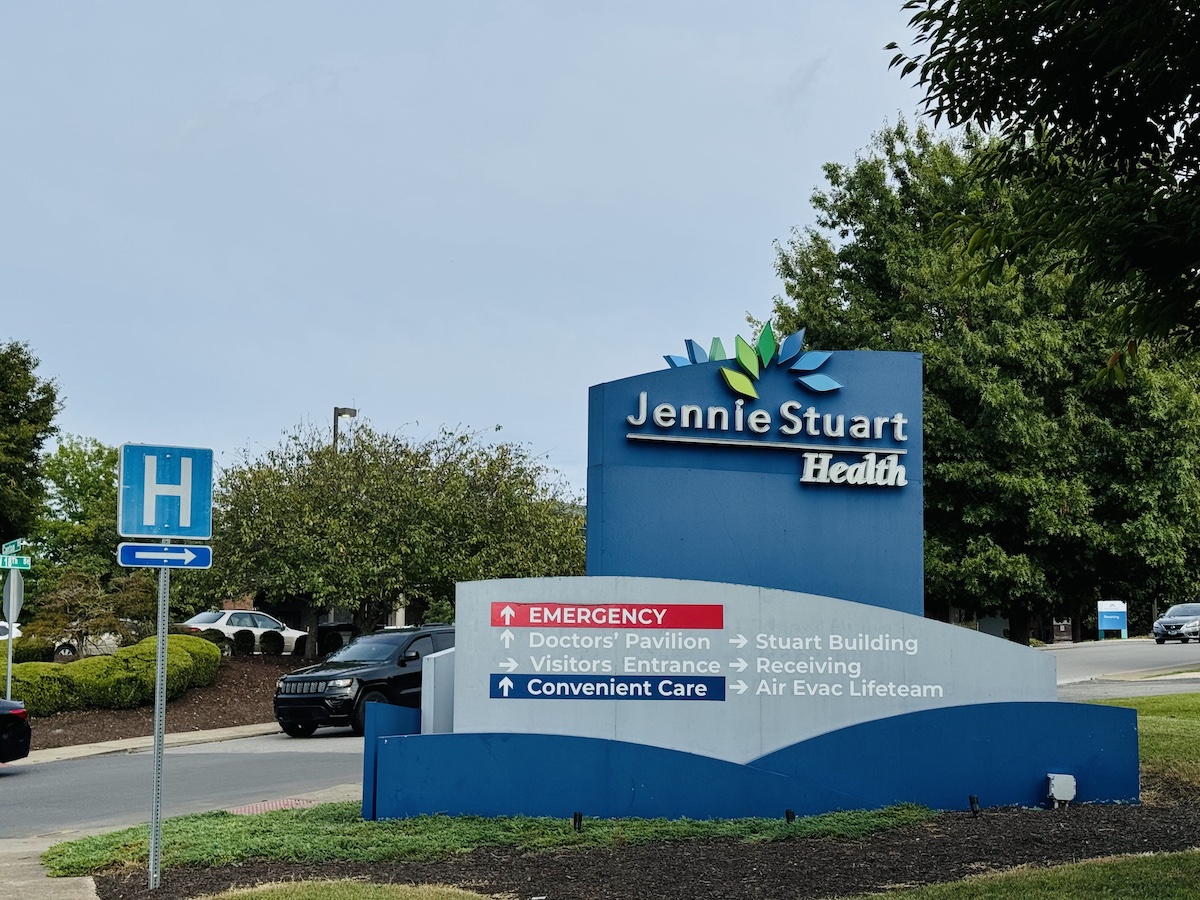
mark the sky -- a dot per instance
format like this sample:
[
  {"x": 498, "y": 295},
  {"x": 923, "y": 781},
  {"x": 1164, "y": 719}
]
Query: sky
[{"x": 220, "y": 220}]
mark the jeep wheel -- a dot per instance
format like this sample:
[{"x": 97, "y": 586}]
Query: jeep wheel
[
  {"x": 358, "y": 722},
  {"x": 297, "y": 729}
]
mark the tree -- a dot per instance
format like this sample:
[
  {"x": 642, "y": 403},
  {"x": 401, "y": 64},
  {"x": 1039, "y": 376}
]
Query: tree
[
  {"x": 1096, "y": 105},
  {"x": 77, "y": 589},
  {"x": 384, "y": 522},
  {"x": 28, "y": 405},
  {"x": 1042, "y": 494}
]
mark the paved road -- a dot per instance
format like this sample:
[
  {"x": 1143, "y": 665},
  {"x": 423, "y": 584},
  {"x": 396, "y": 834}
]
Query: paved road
[
  {"x": 1132, "y": 668},
  {"x": 115, "y": 791}
]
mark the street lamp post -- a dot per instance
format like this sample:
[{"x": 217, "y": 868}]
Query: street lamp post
[{"x": 341, "y": 412}]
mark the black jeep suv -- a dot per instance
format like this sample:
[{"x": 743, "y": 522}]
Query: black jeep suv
[{"x": 382, "y": 667}]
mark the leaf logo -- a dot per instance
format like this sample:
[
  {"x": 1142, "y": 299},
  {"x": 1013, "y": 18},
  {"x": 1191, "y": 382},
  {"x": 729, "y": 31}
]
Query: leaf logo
[{"x": 753, "y": 361}]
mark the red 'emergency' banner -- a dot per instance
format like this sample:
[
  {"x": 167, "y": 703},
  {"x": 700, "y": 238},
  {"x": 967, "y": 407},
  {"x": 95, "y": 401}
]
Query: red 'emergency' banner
[{"x": 608, "y": 615}]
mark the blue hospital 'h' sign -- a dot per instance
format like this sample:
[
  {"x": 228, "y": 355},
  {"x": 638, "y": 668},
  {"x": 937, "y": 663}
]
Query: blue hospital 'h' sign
[{"x": 165, "y": 492}]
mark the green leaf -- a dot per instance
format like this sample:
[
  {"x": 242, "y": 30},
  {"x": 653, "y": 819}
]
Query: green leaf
[
  {"x": 766, "y": 345},
  {"x": 739, "y": 383},
  {"x": 746, "y": 357}
]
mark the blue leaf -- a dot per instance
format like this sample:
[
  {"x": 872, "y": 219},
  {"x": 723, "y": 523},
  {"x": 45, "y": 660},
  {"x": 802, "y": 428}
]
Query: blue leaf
[
  {"x": 811, "y": 361},
  {"x": 791, "y": 347},
  {"x": 819, "y": 383},
  {"x": 676, "y": 361},
  {"x": 695, "y": 352}
]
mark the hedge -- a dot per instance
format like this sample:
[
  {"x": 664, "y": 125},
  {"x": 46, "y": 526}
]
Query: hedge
[
  {"x": 271, "y": 643},
  {"x": 31, "y": 649},
  {"x": 123, "y": 680},
  {"x": 243, "y": 642}
]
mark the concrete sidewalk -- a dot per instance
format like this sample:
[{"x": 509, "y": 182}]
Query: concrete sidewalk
[
  {"x": 129, "y": 745},
  {"x": 22, "y": 876}
]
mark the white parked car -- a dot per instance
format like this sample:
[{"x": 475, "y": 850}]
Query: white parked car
[
  {"x": 4, "y": 630},
  {"x": 231, "y": 621}
]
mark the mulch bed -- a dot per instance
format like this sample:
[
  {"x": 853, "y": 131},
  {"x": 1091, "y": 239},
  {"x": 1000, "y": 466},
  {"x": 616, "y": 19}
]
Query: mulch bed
[
  {"x": 251, "y": 680},
  {"x": 953, "y": 846}
]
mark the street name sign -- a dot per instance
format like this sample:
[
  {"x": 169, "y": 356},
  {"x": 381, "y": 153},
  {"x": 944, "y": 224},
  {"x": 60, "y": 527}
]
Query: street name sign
[
  {"x": 158, "y": 556},
  {"x": 14, "y": 562},
  {"x": 165, "y": 492},
  {"x": 13, "y": 546}
]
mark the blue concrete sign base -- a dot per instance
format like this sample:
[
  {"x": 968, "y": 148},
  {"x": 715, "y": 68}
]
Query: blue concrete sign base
[
  {"x": 164, "y": 556},
  {"x": 1000, "y": 752}
]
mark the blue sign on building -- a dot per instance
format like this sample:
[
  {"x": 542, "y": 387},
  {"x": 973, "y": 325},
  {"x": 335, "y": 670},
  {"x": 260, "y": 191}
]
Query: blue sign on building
[{"x": 165, "y": 492}]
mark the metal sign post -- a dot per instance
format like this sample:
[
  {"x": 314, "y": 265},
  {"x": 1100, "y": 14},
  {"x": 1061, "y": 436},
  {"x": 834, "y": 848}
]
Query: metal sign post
[
  {"x": 160, "y": 725},
  {"x": 14, "y": 595},
  {"x": 163, "y": 493}
]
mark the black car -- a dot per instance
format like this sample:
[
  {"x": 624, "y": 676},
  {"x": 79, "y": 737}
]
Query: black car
[
  {"x": 382, "y": 667},
  {"x": 14, "y": 731}
]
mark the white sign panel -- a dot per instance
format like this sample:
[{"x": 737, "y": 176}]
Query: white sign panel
[{"x": 728, "y": 671}]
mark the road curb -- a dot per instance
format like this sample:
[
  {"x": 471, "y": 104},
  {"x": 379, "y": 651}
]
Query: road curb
[{"x": 134, "y": 745}]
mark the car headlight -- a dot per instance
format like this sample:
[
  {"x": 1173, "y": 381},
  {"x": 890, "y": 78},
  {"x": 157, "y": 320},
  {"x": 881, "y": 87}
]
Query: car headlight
[
  {"x": 341, "y": 682},
  {"x": 1192, "y": 626}
]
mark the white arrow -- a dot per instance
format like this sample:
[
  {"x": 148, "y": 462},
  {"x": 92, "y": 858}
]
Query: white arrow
[
  {"x": 506, "y": 685},
  {"x": 509, "y": 664},
  {"x": 507, "y": 636},
  {"x": 740, "y": 686},
  {"x": 507, "y": 614},
  {"x": 739, "y": 666},
  {"x": 739, "y": 641},
  {"x": 165, "y": 555}
]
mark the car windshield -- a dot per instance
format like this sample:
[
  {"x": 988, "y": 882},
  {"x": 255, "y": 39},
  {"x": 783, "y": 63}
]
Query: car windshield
[
  {"x": 1185, "y": 609},
  {"x": 204, "y": 618},
  {"x": 365, "y": 649}
]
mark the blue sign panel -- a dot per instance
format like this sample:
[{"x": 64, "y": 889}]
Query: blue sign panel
[
  {"x": 1112, "y": 621},
  {"x": 607, "y": 687},
  {"x": 165, "y": 556},
  {"x": 165, "y": 492},
  {"x": 797, "y": 479}
]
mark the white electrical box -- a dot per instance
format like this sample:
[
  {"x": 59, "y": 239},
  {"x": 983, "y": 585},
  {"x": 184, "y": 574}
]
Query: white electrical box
[{"x": 1062, "y": 788}]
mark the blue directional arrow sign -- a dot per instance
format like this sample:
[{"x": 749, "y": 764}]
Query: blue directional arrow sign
[{"x": 165, "y": 556}]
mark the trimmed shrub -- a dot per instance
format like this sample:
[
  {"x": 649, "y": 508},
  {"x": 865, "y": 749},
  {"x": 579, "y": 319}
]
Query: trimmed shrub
[
  {"x": 46, "y": 688},
  {"x": 105, "y": 682},
  {"x": 271, "y": 643},
  {"x": 214, "y": 636},
  {"x": 330, "y": 641},
  {"x": 243, "y": 642},
  {"x": 120, "y": 681},
  {"x": 206, "y": 657},
  {"x": 31, "y": 649}
]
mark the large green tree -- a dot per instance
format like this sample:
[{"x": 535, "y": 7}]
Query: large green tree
[
  {"x": 77, "y": 590},
  {"x": 385, "y": 521},
  {"x": 1042, "y": 493},
  {"x": 1098, "y": 115},
  {"x": 28, "y": 405}
]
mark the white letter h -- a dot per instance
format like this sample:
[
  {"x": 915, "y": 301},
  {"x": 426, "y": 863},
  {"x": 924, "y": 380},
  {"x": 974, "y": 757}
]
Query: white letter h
[{"x": 154, "y": 490}]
